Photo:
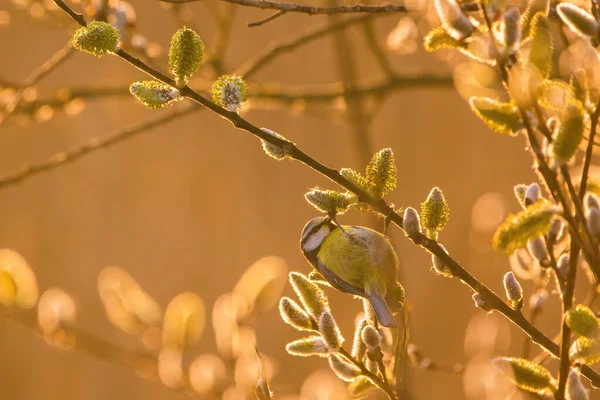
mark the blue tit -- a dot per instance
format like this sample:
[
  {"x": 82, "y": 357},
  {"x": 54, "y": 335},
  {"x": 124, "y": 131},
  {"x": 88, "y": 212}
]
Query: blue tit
[{"x": 355, "y": 260}]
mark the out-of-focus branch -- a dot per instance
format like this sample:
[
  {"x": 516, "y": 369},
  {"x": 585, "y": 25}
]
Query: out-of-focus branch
[
  {"x": 355, "y": 114},
  {"x": 285, "y": 45},
  {"x": 96, "y": 143},
  {"x": 94, "y": 346},
  {"x": 565, "y": 341},
  {"x": 54, "y": 61},
  {"x": 377, "y": 205},
  {"x": 310, "y": 10},
  {"x": 272, "y": 93},
  {"x": 589, "y": 152},
  {"x": 267, "y": 19}
]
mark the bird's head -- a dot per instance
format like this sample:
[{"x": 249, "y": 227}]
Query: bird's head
[{"x": 314, "y": 232}]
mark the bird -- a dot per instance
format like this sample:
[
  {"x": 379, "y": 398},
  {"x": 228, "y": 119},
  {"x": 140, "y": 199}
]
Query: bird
[{"x": 355, "y": 260}]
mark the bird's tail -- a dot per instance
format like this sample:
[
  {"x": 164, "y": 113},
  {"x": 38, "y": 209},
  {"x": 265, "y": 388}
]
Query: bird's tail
[{"x": 383, "y": 312}]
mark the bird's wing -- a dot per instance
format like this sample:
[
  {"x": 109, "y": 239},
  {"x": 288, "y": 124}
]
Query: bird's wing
[{"x": 336, "y": 281}]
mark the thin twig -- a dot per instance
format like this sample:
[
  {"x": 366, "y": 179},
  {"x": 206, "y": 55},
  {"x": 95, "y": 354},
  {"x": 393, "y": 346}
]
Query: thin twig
[
  {"x": 565, "y": 341},
  {"x": 252, "y": 66},
  {"x": 588, "y": 153},
  {"x": 96, "y": 143},
  {"x": 354, "y": 114},
  {"x": 54, "y": 61},
  {"x": 310, "y": 10},
  {"x": 94, "y": 346},
  {"x": 377, "y": 205},
  {"x": 265, "y": 20},
  {"x": 385, "y": 387}
]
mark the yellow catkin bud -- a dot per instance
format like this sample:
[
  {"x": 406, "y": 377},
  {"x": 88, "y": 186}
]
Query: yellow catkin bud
[
  {"x": 502, "y": 118},
  {"x": 585, "y": 350},
  {"x": 154, "y": 94},
  {"x": 434, "y": 212},
  {"x": 381, "y": 173},
  {"x": 331, "y": 202},
  {"x": 517, "y": 230},
  {"x": 294, "y": 315},
  {"x": 230, "y": 91},
  {"x": 185, "y": 55},
  {"x": 356, "y": 178},
  {"x": 541, "y": 44},
  {"x": 330, "y": 332},
  {"x": 568, "y": 134},
  {"x": 582, "y": 321},
  {"x": 97, "y": 38},
  {"x": 527, "y": 375}
]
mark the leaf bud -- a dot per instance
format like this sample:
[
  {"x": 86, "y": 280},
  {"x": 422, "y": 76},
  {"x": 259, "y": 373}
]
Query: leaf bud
[
  {"x": 330, "y": 332},
  {"x": 412, "y": 222},
  {"x": 294, "y": 315},
  {"x": 513, "y": 289}
]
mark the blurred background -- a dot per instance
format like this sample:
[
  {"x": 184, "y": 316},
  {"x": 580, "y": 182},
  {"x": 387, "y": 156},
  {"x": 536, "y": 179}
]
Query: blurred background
[{"x": 190, "y": 205}]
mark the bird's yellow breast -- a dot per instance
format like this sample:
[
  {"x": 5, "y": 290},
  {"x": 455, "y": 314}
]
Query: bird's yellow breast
[{"x": 361, "y": 257}]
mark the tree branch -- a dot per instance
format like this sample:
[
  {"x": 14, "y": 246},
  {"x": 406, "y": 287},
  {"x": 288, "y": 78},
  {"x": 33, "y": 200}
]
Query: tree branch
[
  {"x": 96, "y": 143},
  {"x": 589, "y": 152},
  {"x": 54, "y": 61},
  {"x": 565, "y": 341},
  {"x": 285, "y": 45},
  {"x": 310, "y": 10}
]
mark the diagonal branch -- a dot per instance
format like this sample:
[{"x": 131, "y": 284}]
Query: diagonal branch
[
  {"x": 59, "y": 57},
  {"x": 285, "y": 45},
  {"x": 96, "y": 143},
  {"x": 380, "y": 206}
]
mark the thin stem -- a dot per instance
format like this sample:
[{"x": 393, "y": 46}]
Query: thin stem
[
  {"x": 57, "y": 58},
  {"x": 588, "y": 153},
  {"x": 94, "y": 346},
  {"x": 285, "y": 45},
  {"x": 565, "y": 341},
  {"x": 377, "y": 205},
  {"x": 385, "y": 387},
  {"x": 91, "y": 145},
  {"x": 265, "y": 20}
]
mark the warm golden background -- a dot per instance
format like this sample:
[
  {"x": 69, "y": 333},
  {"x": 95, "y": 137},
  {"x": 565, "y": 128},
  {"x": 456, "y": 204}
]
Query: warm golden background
[{"x": 190, "y": 205}]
